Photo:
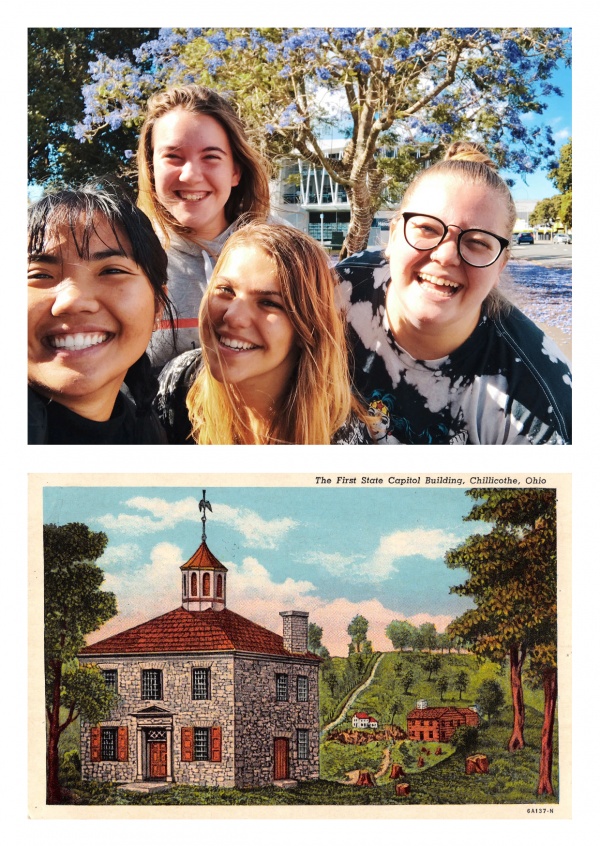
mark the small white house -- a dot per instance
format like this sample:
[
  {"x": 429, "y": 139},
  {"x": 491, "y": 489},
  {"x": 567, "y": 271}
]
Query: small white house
[{"x": 362, "y": 720}]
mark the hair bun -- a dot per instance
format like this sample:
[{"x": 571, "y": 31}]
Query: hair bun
[{"x": 469, "y": 151}]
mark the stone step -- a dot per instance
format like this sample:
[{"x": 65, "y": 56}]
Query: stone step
[
  {"x": 285, "y": 783},
  {"x": 146, "y": 786}
]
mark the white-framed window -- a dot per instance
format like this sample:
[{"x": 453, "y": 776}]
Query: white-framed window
[
  {"x": 111, "y": 679},
  {"x": 281, "y": 687},
  {"x": 152, "y": 684},
  {"x": 302, "y": 688},
  {"x": 201, "y": 744},
  {"x": 108, "y": 748},
  {"x": 200, "y": 683},
  {"x": 302, "y": 744}
]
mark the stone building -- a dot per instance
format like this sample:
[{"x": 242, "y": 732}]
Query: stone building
[{"x": 206, "y": 697}]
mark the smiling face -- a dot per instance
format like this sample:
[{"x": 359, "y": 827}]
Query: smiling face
[
  {"x": 434, "y": 299},
  {"x": 194, "y": 170},
  {"x": 89, "y": 320},
  {"x": 257, "y": 349}
]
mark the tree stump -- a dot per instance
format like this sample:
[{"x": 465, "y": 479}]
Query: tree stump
[
  {"x": 476, "y": 764},
  {"x": 403, "y": 788},
  {"x": 438, "y": 751},
  {"x": 421, "y": 762},
  {"x": 365, "y": 779},
  {"x": 397, "y": 771}
]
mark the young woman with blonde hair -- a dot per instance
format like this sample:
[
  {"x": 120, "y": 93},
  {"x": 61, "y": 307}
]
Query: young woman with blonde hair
[
  {"x": 273, "y": 365},
  {"x": 197, "y": 174},
  {"x": 428, "y": 329}
]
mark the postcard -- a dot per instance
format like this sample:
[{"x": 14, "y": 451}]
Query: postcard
[{"x": 338, "y": 646}]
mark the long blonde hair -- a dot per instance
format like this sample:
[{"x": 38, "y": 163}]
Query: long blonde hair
[
  {"x": 319, "y": 399},
  {"x": 250, "y": 197}
]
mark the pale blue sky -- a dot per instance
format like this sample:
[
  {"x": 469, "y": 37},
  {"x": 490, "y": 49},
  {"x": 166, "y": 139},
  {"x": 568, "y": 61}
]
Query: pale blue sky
[{"x": 334, "y": 552}]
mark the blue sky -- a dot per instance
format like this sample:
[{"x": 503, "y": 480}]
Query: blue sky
[
  {"x": 558, "y": 115},
  {"x": 333, "y": 552}
]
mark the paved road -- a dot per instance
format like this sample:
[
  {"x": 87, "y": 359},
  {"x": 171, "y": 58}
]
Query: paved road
[{"x": 543, "y": 252}]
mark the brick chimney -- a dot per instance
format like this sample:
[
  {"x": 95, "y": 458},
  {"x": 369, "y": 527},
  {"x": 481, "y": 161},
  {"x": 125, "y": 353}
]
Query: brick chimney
[{"x": 295, "y": 631}]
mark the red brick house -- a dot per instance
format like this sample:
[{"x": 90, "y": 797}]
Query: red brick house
[
  {"x": 438, "y": 724},
  {"x": 206, "y": 696}
]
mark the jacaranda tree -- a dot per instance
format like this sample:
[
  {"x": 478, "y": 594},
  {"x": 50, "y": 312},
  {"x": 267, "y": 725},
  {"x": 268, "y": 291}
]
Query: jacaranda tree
[{"x": 409, "y": 89}]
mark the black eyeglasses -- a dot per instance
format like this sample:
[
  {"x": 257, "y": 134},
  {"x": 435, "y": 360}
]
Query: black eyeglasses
[{"x": 475, "y": 246}]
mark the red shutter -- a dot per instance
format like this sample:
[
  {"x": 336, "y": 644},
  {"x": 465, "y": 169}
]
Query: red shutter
[
  {"x": 122, "y": 744},
  {"x": 95, "y": 743},
  {"x": 215, "y": 743},
  {"x": 187, "y": 744}
]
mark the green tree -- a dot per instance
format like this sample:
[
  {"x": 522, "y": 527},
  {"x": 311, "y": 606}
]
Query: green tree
[
  {"x": 407, "y": 679},
  {"x": 441, "y": 685},
  {"x": 512, "y": 580},
  {"x": 562, "y": 177},
  {"x": 400, "y": 632},
  {"x": 74, "y": 605},
  {"x": 461, "y": 682},
  {"x": 432, "y": 665},
  {"x": 464, "y": 740},
  {"x": 428, "y": 636},
  {"x": 411, "y": 89},
  {"x": 58, "y": 68},
  {"x": 315, "y": 634},
  {"x": 490, "y": 697},
  {"x": 357, "y": 629},
  {"x": 546, "y": 211}
]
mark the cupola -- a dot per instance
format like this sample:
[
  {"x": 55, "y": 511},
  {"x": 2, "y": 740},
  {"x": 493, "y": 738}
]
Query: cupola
[{"x": 203, "y": 581}]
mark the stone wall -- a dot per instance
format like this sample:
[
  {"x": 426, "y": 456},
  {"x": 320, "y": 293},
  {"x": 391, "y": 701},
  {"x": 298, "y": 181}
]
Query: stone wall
[{"x": 260, "y": 718}]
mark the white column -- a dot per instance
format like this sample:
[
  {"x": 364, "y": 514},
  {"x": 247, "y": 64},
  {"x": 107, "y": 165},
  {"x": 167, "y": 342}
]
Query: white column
[
  {"x": 169, "y": 754},
  {"x": 139, "y": 775}
]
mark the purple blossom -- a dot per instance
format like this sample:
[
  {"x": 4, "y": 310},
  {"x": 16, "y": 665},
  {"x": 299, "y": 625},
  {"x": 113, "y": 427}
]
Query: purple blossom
[
  {"x": 218, "y": 41},
  {"x": 213, "y": 63},
  {"x": 129, "y": 154},
  {"x": 362, "y": 67},
  {"x": 323, "y": 73}
]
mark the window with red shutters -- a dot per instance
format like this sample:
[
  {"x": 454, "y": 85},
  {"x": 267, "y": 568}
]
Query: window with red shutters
[
  {"x": 187, "y": 743},
  {"x": 215, "y": 743},
  {"x": 95, "y": 743},
  {"x": 122, "y": 744}
]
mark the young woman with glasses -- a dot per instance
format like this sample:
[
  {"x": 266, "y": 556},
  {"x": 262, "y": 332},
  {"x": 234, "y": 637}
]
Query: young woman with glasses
[{"x": 457, "y": 362}]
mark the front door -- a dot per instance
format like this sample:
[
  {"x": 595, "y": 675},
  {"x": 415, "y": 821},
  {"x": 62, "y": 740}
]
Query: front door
[
  {"x": 281, "y": 758},
  {"x": 158, "y": 759}
]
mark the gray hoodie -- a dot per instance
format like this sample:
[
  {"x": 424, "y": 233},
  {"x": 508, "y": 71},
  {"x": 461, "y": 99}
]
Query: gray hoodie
[{"x": 189, "y": 271}]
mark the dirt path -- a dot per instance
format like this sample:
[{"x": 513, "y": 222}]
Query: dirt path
[
  {"x": 352, "y": 699},
  {"x": 352, "y": 776}
]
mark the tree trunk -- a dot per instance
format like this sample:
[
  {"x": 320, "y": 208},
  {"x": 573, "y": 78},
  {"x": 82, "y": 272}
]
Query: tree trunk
[
  {"x": 550, "y": 690},
  {"x": 361, "y": 217},
  {"x": 53, "y": 789},
  {"x": 517, "y": 654}
]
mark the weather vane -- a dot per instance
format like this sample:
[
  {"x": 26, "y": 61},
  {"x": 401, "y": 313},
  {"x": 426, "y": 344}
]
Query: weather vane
[{"x": 203, "y": 505}]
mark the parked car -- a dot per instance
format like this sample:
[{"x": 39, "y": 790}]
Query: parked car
[
  {"x": 525, "y": 238},
  {"x": 562, "y": 238}
]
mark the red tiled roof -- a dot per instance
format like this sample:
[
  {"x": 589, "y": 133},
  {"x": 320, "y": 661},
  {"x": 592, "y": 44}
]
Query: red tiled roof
[
  {"x": 362, "y": 715},
  {"x": 436, "y": 713},
  {"x": 194, "y": 631},
  {"x": 203, "y": 559}
]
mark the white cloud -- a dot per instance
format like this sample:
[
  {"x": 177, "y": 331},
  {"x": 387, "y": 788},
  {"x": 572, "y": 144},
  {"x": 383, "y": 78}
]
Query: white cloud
[
  {"x": 333, "y": 562},
  {"x": 117, "y": 554},
  {"x": 264, "y": 534},
  {"x": 562, "y": 134},
  {"x": 430, "y": 543}
]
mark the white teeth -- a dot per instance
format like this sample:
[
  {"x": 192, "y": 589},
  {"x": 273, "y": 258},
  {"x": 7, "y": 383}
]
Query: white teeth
[
  {"x": 435, "y": 280},
  {"x": 199, "y": 196},
  {"x": 78, "y": 341},
  {"x": 237, "y": 345}
]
